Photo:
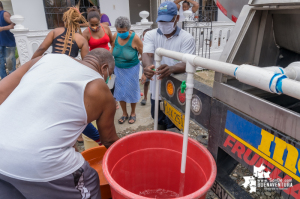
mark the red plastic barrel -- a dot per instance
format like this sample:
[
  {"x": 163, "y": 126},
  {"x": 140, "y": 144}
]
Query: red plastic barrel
[{"x": 151, "y": 160}]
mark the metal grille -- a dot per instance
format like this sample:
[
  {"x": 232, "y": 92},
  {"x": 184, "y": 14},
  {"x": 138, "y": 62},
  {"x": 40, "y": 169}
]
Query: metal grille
[
  {"x": 202, "y": 33},
  {"x": 54, "y": 10},
  {"x": 201, "y": 27},
  {"x": 208, "y": 11}
]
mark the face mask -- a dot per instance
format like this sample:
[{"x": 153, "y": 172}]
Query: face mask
[
  {"x": 123, "y": 35},
  {"x": 166, "y": 27},
  {"x": 95, "y": 29},
  {"x": 107, "y": 77}
]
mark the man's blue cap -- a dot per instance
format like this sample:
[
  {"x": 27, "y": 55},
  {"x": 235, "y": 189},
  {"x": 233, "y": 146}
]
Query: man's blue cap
[{"x": 166, "y": 11}]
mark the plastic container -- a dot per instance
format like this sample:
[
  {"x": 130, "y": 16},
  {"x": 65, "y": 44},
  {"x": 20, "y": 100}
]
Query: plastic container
[
  {"x": 88, "y": 142},
  {"x": 94, "y": 157},
  {"x": 151, "y": 160}
]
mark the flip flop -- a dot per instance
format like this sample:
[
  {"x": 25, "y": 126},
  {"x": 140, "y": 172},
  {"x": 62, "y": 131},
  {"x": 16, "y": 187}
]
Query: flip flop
[
  {"x": 143, "y": 102},
  {"x": 132, "y": 118},
  {"x": 123, "y": 118}
]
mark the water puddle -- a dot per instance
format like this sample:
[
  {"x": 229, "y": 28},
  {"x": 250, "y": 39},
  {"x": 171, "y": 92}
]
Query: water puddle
[{"x": 159, "y": 193}]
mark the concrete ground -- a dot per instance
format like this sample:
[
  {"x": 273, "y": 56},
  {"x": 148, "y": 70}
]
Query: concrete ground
[{"x": 143, "y": 115}]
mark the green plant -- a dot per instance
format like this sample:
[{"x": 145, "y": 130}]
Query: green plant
[{"x": 16, "y": 54}]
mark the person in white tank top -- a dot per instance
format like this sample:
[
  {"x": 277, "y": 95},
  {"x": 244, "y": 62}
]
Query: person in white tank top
[{"x": 44, "y": 106}]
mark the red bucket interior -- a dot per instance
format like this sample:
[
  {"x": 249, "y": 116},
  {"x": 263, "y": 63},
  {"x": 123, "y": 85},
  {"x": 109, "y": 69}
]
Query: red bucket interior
[{"x": 152, "y": 160}]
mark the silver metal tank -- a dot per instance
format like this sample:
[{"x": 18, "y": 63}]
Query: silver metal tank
[{"x": 231, "y": 8}]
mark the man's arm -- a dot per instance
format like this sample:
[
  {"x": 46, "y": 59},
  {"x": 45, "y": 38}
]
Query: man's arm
[
  {"x": 105, "y": 122},
  {"x": 195, "y": 5},
  {"x": 9, "y": 83},
  {"x": 100, "y": 105},
  {"x": 7, "y": 19},
  {"x": 148, "y": 54},
  {"x": 147, "y": 61},
  {"x": 177, "y": 3}
]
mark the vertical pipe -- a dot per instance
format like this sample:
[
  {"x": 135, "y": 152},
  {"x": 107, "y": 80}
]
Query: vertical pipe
[
  {"x": 157, "y": 83},
  {"x": 189, "y": 92}
]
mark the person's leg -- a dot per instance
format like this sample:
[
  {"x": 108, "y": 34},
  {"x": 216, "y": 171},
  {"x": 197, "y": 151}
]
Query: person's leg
[
  {"x": 161, "y": 115},
  {"x": 10, "y": 59},
  {"x": 91, "y": 132},
  {"x": 132, "y": 117},
  {"x": 2, "y": 61},
  {"x": 168, "y": 123},
  {"x": 146, "y": 88},
  {"x": 125, "y": 114}
]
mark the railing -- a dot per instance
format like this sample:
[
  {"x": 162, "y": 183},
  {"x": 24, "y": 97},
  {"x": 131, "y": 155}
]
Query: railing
[{"x": 210, "y": 37}]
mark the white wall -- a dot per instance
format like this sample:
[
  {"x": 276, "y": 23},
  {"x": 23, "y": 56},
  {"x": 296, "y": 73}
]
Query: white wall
[
  {"x": 7, "y": 6},
  {"x": 222, "y": 17},
  {"x": 115, "y": 8},
  {"x": 33, "y": 11}
]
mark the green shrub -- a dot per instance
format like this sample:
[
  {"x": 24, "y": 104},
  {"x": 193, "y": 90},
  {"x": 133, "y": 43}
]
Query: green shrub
[{"x": 16, "y": 54}]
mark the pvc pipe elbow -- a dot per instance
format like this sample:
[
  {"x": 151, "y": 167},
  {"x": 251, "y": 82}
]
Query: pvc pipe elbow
[
  {"x": 189, "y": 60},
  {"x": 157, "y": 56}
]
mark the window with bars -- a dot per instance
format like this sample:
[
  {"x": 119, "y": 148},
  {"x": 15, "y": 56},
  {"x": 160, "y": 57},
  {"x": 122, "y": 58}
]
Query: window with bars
[
  {"x": 54, "y": 10},
  {"x": 208, "y": 11}
]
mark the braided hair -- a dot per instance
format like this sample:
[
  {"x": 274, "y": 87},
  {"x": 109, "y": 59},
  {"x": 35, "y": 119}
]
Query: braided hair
[{"x": 72, "y": 19}]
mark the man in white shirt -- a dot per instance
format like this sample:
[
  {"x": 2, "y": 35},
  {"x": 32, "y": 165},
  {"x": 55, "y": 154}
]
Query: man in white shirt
[
  {"x": 44, "y": 106},
  {"x": 168, "y": 36},
  {"x": 186, "y": 6}
]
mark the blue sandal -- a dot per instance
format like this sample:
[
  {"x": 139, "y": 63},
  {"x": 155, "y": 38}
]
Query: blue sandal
[
  {"x": 123, "y": 118},
  {"x": 132, "y": 118}
]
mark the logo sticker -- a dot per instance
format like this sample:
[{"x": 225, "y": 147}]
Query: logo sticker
[{"x": 164, "y": 7}]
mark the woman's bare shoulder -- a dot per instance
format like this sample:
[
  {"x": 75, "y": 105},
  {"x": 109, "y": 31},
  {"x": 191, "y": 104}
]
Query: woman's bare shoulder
[{"x": 58, "y": 31}]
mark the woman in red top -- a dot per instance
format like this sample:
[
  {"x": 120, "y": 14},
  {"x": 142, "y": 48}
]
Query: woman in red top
[{"x": 98, "y": 35}]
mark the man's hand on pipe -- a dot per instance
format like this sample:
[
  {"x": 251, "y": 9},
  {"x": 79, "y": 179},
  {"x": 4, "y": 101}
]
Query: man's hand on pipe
[
  {"x": 163, "y": 71},
  {"x": 149, "y": 72}
]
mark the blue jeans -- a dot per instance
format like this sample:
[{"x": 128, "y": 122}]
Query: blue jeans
[
  {"x": 7, "y": 56},
  {"x": 162, "y": 118}
]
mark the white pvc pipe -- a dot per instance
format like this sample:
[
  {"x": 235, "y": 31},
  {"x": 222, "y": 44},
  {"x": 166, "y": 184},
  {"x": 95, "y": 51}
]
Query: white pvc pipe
[
  {"x": 291, "y": 88},
  {"x": 260, "y": 78},
  {"x": 157, "y": 83},
  {"x": 269, "y": 79},
  {"x": 222, "y": 67},
  {"x": 189, "y": 93}
]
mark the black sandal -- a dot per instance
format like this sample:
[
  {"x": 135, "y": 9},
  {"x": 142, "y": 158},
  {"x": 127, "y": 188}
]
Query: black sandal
[
  {"x": 132, "y": 118},
  {"x": 123, "y": 118}
]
